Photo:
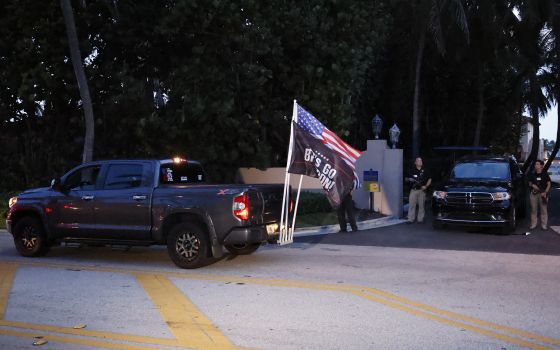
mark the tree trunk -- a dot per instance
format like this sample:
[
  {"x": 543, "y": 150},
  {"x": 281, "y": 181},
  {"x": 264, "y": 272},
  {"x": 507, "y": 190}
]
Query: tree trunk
[
  {"x": 557, "y": 143},
  {"x": 528, "y": 165},
  {"x": 416, "y": 102},
  {"x": 80, "y": 78},
  {"x": 480, "y": 116}
]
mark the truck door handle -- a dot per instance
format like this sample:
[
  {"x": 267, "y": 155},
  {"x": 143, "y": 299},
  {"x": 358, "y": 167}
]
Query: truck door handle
[
  {"x": 88, "y": 197},
  {"x": 139, "y": 198}
]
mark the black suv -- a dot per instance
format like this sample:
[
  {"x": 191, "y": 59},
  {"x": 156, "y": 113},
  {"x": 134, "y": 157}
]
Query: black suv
[{"x": 481, "y": 191}]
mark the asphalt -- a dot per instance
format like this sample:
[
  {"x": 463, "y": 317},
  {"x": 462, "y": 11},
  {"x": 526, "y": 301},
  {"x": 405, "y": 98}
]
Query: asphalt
[{"x": 423, "y": 236}]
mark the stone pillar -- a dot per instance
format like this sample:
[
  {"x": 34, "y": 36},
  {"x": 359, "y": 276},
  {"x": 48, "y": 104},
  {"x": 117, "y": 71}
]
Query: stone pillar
[{"x": 389, "y": 163}]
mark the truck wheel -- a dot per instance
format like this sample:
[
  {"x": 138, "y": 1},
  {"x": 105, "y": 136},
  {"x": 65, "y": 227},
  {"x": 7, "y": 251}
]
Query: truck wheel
[
  {"x": 29, "y": 237},
  {"x": 187, "y": 245},
  {"x": 243, "y": 248}
]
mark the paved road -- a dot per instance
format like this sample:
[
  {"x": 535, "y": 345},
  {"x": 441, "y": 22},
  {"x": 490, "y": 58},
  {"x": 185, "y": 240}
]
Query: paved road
[
  {"x": 484, "y": 240},
  {"x": 399, "y": 287}
]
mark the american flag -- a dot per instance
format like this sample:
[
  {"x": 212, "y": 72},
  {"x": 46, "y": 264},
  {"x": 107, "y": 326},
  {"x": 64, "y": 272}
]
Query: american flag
[{"x": 315, "y": 128}]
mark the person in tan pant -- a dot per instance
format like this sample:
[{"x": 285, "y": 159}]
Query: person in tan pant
[
  {"x": 540, "y": 184},
  {"x": 420, "y": 180}
]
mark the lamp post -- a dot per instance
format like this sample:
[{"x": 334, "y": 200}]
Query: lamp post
[
  {"x": 376, "y": 124},
  {"x": 394, "y": 133}
]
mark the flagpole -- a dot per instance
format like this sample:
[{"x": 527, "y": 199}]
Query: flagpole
[
  {"x": 284, "y": 224},
  {"x": 291, "y": 237}
]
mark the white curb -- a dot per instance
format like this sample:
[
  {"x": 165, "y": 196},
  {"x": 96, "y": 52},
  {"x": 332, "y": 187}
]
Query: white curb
[{"x": 362, "y": 225}]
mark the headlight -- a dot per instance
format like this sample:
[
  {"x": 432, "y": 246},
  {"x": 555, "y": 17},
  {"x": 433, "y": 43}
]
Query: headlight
[
  {"x": 501, "y": 196},
  {"x": 12, "y": 202},
  {"x": 440, "y": 194}
]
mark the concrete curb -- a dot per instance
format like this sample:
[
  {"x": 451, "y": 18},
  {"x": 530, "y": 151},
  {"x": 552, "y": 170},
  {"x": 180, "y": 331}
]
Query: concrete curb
[{"x": 362, "y": 225}]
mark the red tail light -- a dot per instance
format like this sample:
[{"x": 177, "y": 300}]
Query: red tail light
[
  {"x": 291, "y": 205},
  {"x": 241, "y": 206}
]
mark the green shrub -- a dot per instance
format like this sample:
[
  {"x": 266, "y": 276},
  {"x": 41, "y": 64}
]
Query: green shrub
[{"x": 312, "y": 202}]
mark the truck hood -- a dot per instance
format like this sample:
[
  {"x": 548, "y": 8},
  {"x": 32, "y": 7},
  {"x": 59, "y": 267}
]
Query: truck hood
[
  {"x": 34, "y": 191},
  {"x": 476, "y": 186}
]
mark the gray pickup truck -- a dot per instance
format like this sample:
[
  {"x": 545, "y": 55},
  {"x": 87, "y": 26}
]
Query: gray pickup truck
[{"x": 146, "y": 202}]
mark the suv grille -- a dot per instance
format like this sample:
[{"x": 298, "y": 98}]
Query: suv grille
[{"x": 469, "y": 198}]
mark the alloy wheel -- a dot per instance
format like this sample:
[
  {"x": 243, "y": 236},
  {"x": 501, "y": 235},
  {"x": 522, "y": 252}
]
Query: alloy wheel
[
  {"x": 30, "y": 237},
  {"x": 188, "y": 246}
]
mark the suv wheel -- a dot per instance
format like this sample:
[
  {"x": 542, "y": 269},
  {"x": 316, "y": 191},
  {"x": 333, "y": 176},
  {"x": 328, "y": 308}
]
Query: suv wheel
[
  {"x": 187, "y": 245},
  {"x": 243, "y": 248},
  {"x": 512, "y": 221},
  {"x": 29, "y": 237}
]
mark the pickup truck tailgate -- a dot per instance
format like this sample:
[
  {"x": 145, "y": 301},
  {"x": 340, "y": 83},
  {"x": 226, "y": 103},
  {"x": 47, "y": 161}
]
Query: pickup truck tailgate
[{"x": 265, "y": 203}]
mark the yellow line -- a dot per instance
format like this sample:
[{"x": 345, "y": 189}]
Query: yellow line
[
  {"x": 190, "y": 326},
  {"x": 464, "y": 317},
  {"x": 316, "y": 286},
  {"x": 7, "y": 274},
  {"x": 90, "y": 333},
  {"x": 80, "y": 341},
  {"x": 452, "y": 323}
]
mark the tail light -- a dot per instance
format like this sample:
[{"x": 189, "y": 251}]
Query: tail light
[
  {"x": 241, "y": 206},
  {"x": 291, "y": 209}
]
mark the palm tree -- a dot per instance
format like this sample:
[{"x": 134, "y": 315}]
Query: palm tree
[
  {"x": 430, "y": 16},
  {"x": 553, "y": 73},
  {"x": 489, "y": 22},
  {"x": 531, "y": 48},
  {"x": 76, "y": 59}
]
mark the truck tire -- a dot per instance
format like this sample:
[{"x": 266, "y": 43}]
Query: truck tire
[
  {"x": 187, "y": 245},
  {"x": 29, "y": 237},
  {"x": 243, "y": 248}
]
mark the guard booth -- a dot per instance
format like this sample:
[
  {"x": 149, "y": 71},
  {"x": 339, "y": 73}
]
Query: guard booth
[{"x": 380, "y": 169}]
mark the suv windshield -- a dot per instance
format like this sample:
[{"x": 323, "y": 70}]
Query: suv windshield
[
  {"x": 481, "y": 170},
  {"x": 181, "y": 173}
]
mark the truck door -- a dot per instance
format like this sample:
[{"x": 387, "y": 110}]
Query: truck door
[
  {"x": 75, "y": 203},
  {"x": 122, "y": 205}
]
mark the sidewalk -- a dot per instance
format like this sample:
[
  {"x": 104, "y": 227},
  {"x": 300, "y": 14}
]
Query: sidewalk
[{"x": 362, "y": 225}]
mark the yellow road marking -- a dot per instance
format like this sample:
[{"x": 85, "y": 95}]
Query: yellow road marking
[
  {"x": 327, "y": 287},
  {"x": 7, "y": 274},
  {"x": 69, "y": 340},
  {"x": 464, "y": 317},
  {"x": 90, "y": 333},
  {"x": 190, "y": 326},
  {"x": 452, "y": 322}
]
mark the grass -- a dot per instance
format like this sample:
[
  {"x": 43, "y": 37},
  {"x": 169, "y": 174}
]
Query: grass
[{"x": 316, "y": 219}]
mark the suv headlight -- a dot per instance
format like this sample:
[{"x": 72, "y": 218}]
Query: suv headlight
[
  {"x": 440, "y": 194},
  {"x": 12, "y": 202},
  {"x": 501, "y": 196}
]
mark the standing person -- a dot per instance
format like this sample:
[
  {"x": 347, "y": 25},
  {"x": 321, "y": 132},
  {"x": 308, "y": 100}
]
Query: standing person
[
  {"x": 419, "y": 180},
  {"x": 346, "y": 208},
  {"x": 540, "y": 184}
]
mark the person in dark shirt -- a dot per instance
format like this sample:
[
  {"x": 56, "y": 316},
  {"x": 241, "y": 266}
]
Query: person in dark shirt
[
  {"x": 346, "y": 208},
  {"x": 419, "y": 180},
  {"x": 539, "y": 184}
]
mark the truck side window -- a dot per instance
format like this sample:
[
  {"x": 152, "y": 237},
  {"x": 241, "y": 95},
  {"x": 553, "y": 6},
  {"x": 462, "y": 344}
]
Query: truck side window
[
  {"x": 183, "y": 173},
  {"x": 122, "y": 176},
  {"x": 83, "y": 179}
]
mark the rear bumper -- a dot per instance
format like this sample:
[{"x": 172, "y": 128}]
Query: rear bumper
[{"x": 253, "y": 234}]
